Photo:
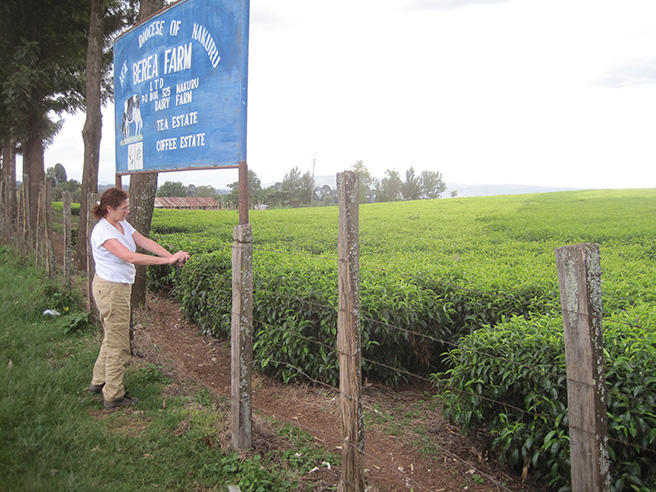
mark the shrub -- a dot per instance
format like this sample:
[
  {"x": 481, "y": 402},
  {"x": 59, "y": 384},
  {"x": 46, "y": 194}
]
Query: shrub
[
  {"x": 204, "y": 288},
  {"x": 295, "y": 324},
  {"x": 295, "y": 316},
  {"x": 511, "y": 381},
  {"x": 432, "y": 271}
]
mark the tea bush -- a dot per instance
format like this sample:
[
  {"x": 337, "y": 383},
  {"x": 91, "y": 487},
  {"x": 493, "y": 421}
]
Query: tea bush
[
  {"x": 404, "y": 329},
  {"x": 204, "y": 288},
  {"x": 478, "y": 274},
  {"x": 511, "y": 381},
  {"x": 431, "y": 272}
]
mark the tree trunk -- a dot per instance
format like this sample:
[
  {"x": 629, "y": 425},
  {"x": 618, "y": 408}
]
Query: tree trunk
[
  {"x": 92, "y": 132},
  {"x": 143, "y": 188},
  {"x": 33, "y": 167},
  {"x": 9, "y": 180}
]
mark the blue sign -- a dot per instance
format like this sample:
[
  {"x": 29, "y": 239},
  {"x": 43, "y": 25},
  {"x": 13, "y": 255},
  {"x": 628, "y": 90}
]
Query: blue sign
[{"x": 180, "y": 88}]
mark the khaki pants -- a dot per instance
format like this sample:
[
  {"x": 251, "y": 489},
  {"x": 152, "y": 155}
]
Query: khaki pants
[{"x": 113, "y": 301}]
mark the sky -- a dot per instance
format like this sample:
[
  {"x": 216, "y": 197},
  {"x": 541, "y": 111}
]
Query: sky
[{"x": 556, "y": 93}]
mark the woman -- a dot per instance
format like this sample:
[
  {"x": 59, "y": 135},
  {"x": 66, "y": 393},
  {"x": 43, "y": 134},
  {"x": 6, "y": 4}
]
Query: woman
[{"x": 114, "y": 242}]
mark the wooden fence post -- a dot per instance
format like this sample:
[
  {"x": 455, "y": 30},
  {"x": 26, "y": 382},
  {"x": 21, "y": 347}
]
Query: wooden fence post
[
  {"x": 20, "y": 215},
  {"x": 3, "y": 206},
  {"x": 66, "y": 199},
  {"x": 92, "y": 198},
  {"x": 579, "y": 276},
  {"x": 242, "y": 336},
  {"x": 50, "y": 244},
  {"x": 40, "y": 240},
  {"x": 348, "y": 335},
  {"x": 25, "y": 195}
]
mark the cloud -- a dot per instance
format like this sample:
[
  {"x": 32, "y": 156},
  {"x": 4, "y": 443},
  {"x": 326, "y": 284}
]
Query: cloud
[
  {"x": 449, "y": 4},
  {"x": 268, "y": 19},
  {"x": 630, "y": 74}
]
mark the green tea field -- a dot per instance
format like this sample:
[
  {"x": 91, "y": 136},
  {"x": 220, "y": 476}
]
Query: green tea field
[{"x": 448, "y": 289}]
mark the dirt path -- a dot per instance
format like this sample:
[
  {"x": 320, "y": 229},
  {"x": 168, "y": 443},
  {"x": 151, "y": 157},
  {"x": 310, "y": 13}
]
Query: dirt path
[
  {"x": 393, "y": 437},
  {"x": 394, "y": 461}
]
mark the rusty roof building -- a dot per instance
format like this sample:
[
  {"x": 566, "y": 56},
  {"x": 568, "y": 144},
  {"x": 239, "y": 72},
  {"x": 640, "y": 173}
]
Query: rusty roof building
[{"x": 187, "y": 202}]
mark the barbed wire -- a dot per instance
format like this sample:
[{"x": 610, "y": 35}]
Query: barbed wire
[
  {"x": 446, "y": 343},
  {"x": 441, "y": 384},
  {"x": 389, "y": 419},
  {"x": 433, "y": 339},
  {"x": 369, "y": 457}
]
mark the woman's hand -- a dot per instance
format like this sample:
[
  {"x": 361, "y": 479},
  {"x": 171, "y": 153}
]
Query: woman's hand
[{"x": 180, "y": 257}]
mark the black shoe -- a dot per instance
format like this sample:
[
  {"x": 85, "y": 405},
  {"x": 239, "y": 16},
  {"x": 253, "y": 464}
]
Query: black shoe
[
  {"x": 96, "y": 388},
  {"x": 126, "y": 401}
]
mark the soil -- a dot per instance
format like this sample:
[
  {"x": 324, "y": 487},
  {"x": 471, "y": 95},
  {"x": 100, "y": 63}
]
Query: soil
[
  {"x": 399, "y": 456},
  {"x": 396, "y": 457}
]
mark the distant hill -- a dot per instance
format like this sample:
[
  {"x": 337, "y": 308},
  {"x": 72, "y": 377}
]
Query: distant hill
[
  {"x": 330, "y": 180},
  {"x": 467, "y": 190},
  {"x": 464, "y": 190}
]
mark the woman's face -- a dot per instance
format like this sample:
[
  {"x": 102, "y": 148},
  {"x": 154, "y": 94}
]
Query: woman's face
[{"x": 120, "y": 213}]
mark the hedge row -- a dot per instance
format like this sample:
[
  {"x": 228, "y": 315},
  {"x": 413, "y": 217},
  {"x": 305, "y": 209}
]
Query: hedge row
[
  {"x": 511, "y": 381},
  {"x": 408, "y": 323}
]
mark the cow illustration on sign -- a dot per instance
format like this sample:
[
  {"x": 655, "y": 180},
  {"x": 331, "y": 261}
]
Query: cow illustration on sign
[{"x": 131, "y": 116}]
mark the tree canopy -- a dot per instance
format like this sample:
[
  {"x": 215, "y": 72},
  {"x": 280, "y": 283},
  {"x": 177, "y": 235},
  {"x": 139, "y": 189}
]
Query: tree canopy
[
  {"x": 172, "y": 188},
  {"x": 428, "y": 185},
  {"x": 254, "y": 190},
  {"x": 43, "y": 61},
  {"x": 57, "y": 174}
]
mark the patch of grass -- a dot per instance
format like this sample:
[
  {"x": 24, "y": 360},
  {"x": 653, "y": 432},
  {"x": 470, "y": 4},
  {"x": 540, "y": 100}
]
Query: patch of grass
[
  {"x": 56, "y": 436},
  {"x": 415, "y": 416}
]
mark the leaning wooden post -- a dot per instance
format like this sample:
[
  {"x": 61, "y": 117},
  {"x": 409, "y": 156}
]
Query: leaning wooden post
[
  {"x": 25, "y": 195},
  {"x": 39, "y": 243},
  {"x": 20, "y": 216},
  {"x": 348, "y": 335},
  {"x": 66, "y": 199},
  {"x": 242, "y": 336},
  {"x": 92, "y": 198},
  {"x": 579, "y": 276},
  {"x": 50, "y": 246},
  {"x": 3, "y": 206}
]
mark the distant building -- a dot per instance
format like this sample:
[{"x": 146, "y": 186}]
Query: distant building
[{"x": 187, "y": 202}]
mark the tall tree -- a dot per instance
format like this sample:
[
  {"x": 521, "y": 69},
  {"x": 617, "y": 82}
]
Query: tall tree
[
  {"x": 297, "y": 188},
  {"x": 208, "y": 190},
  {"x": 431, "y": 184},
  {"x": 172, "y": 188},
  {"x": 365, "y": 181},
  {"x": 42, "y": 60},
  {"x": 254, "y": 190},
  {"x": 9, "y": 185},
  {"x": 107, "y": 17},
  {"x": 8, "y": 174},
  {"x": 92, "y": 131},
  {"x": 326, "y": 194},
  {"x": 391, "y": 186},
  {"x": 143, "y": 187},
  {"x": 57, "y": 174},
  {"x": 411, "y": 190}
]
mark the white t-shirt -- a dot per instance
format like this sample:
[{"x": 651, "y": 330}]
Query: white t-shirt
[{"x": 109, "y": 266}]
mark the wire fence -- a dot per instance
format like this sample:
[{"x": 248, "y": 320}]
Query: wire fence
[
  {"x": 441, "y": 386},
  {"x": 165, "y": 287}
]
